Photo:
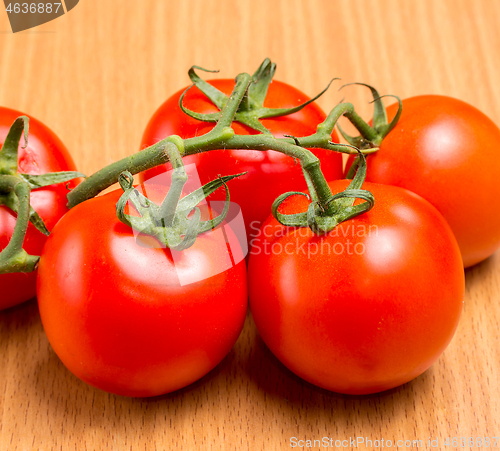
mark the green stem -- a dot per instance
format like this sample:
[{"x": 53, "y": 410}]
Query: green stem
[
  {"x": 104, "y": 178},
  {"x": 364, "y": 128},
  {"x": 223, "y": 136},
  {"x": 168, "y": 208},
  {"x": 227, "y": 114},
  {"x": 14, "y": 258},
  {"x": 327, "y": 126},
  {"x": 157, "y": 154},
  {"x": 309, "y": 162}
]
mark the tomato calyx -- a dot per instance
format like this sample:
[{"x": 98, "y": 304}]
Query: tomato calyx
[
  {"x": 322, "y": 218},
  {"x": 171, "y": 223},
  {"x": 173, "y": 228},
  {"x": 15, "y": 189},
  {"x": 251, "y": 108},
  {"x": 371, "y": 136}
]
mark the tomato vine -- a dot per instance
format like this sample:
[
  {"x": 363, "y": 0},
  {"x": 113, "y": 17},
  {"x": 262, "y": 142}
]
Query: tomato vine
[
  {"x": 15, "y": 190},
  {"x": 245, "y": 105}
]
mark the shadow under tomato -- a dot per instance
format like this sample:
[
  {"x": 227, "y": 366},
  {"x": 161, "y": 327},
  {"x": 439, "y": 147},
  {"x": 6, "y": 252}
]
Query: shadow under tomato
[
  {"x": 477, "y": 274},
  {"x": 19, "y": 325},
  {"x": 240, "y": 387},
  {"x": 62, "y": 394},
  {"x": 221, "y": 371},
  {"x": 19, "y": 316},
  {"x": 276, "y": 380}
]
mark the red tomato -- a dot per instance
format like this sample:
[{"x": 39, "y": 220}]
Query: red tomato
[
  {"x": 270, "y": 174},
  {"x": 117, "y": 313},
  {"x": 45, "y": 153},
  {"x": 367, "y": 307},
  {"x": 446, "y": 150}
]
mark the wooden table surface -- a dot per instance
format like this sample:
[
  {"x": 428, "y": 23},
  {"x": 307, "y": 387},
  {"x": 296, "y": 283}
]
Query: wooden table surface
[{"x": 96, "y": 75}]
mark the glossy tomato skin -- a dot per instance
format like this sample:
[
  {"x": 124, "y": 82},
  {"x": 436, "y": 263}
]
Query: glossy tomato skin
[
  {"x": 366, "y": 308},
  {"x": 444, "y": 149},
  {"x": 116, "y": 314},
  {"x": 45, "y": 153},
  {"x": 270, "y": 173}
]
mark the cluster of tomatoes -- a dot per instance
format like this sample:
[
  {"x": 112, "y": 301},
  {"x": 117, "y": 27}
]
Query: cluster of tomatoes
[{"x": 361, "y": 309}]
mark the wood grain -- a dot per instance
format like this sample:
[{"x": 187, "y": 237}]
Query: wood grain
[{"x": 97, "y": 74}]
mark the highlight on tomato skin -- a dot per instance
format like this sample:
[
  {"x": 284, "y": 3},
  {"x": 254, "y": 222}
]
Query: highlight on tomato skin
[
  {"x": 367, "y": 307},
  {"x": 118, "y": 314},
  {"x": 445, "y": 150}
]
